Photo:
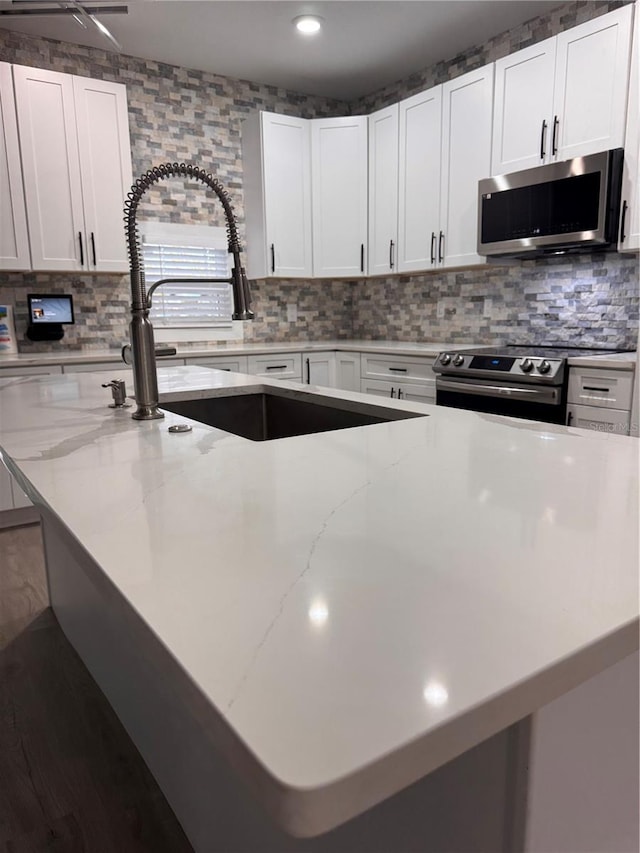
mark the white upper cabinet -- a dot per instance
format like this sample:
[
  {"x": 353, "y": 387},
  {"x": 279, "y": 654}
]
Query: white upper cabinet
[
  {"x": 383, "y": 191},
  {"x": 467, "y": 104},
  {"x": 565, "y": 97},
  {"x": 339, "y": 196},
  {"x": 105, "y": 168},
  {"x": 276, "y": 153},
  {"x": 523, "y": 105},
  {"x": 590, "y": 95},
  {"x": 420, "y": 134},
  {"x": 629, "y": 237},
  {"x": 51, "y": 169},
  {"x": 14, "y": 239},
  {"x": 75, "y": 182}
]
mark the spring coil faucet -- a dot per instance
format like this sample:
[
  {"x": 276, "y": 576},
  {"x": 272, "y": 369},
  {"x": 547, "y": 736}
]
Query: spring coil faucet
[{"x": 145, "y": 378}]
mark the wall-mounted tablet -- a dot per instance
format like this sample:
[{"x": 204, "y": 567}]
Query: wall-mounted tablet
[{"x": 47, "y": 308}]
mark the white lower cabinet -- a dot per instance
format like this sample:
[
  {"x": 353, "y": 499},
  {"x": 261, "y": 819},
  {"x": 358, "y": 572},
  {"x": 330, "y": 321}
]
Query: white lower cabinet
[
  {"x": 283, "y": 366},
  {"x": 348, "y": 371},
  {"x": 409, "y": 391},
  {"x": 43, "y": 370},
  {"x": 400, "y": 377},
  {"x": 600, "y": 399},
  {"x": 319, "y": 368},
  {"x": 399, "y": 368},
  {"x": 11, "y": 495},
  {"x": 609, "y": 389},
  {"x": 96, "y": 367},
  {"x": 6, "y": 495},
  {"x": 601, "y": 419},
  {"x": 234, "y": 364}
]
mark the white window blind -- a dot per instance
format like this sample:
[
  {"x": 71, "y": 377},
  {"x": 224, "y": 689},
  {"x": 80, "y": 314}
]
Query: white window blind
[{"x": 184, "y": 252}]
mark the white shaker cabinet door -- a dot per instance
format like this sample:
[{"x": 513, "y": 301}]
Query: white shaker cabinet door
[
  {"x": 592, "y": 67},
  {"x": 523, "y": 107},
  {"x": 339, "y": 195},
  {"x": 348, "y": 371},
  {"x": 277, "y": 165},
  {"x": 105, "y": 166},
  {"x": 14, "y": 238},
  {"x": 287, "y": 188},
  {"x": 51, "y": 171},
  {"x": 629, "y": 237},
  {"x": 467, "y": 111},
  {"x": 383, "y": 190},
  {"x": 319, "y": 368},
  {"x": 420, "y": 140}
]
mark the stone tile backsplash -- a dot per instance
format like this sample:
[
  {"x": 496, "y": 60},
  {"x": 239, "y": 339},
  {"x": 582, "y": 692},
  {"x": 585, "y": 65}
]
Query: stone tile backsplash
[
  {"x": 584, "y": 300},
  {"x": 185, "y": 114}
]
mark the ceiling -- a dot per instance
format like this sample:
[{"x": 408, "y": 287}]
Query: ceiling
[{"x": 363, "y": 46}]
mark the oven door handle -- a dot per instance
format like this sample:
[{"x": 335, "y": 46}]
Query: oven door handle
[{"x": 513, "y": 392}]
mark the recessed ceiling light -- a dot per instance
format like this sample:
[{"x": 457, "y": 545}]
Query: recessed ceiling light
[{"x": 308, "y": 24}]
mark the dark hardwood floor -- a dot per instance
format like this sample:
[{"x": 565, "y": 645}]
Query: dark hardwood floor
[{"x": 71, "y": 780}]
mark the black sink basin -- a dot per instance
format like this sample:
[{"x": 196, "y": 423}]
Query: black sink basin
[{"x": 267, "y": 415}]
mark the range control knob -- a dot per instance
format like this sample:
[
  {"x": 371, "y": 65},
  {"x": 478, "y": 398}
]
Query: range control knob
[
  {"x": 458, "y": 360},
  {"x": 445, "y": 359},
  {"x": 544, "y": 366},
  {"x": 526, "y": 365}
]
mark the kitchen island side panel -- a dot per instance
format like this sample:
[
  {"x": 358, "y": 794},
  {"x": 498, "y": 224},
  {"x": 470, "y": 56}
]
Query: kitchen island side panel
[{"x": 462, "y": 806}]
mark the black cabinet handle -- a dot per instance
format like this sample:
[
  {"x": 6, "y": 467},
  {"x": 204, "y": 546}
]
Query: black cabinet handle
[
  {"x": 276, "y": 367},
  {"x": 81, "y": 249},
  {"x": 398, "y": 369},
  {"x": 391, "y": 244},
  {"x": 399, "y": 393},
  {"x": 93, "y": 249},
  {"x": 308, "y": 371},
  {"x": 441, "y": 247},
  {"x": 543, "y": 135},
  {"x": 393, "y": 392},
  {"x": 623, "y": 218},
  {"x": 361, "y": 257},
  {"x": 569, "y": 418},
  {"x": 554, "y": 141},
  {"x": 433, "y": 247},
  {"x": 273, "y": 258},
  {"x": 595, "y": 388}
]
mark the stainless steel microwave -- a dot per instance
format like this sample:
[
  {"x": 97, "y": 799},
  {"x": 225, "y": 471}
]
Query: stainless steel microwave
[{"x": 561, "y": 207}]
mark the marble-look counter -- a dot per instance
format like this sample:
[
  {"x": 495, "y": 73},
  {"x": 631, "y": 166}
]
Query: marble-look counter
[
  {"x": 618, "y": 361},
  {"x": 356, "y": 607}
]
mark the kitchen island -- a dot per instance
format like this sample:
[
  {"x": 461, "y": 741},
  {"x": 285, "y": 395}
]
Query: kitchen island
[{"x": 334, "y": 616}]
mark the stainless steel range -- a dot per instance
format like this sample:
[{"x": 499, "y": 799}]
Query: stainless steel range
[{"x": 523, "y": 382}]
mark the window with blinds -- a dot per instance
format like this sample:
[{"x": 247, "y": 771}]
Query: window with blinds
[{"x": 185, "y": 252}]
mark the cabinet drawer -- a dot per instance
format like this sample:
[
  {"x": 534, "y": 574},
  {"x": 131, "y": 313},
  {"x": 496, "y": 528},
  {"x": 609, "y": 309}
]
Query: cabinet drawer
[
  {"x": 409, "y": 391},
  {"x": 597, "y": 418},
  {"x": 400, "y": 369},
  {"x": 286, "y": 366},
  {"x": 235, "y": 364},
  {"x": 609, "y": 389},
  {"x": 96, "y": 367},
  {"x": 47, "y": 370}
]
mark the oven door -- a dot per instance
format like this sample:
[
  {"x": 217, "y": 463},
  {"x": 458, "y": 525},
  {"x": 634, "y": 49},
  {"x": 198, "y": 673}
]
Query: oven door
[{"x": 545, "y": 403}]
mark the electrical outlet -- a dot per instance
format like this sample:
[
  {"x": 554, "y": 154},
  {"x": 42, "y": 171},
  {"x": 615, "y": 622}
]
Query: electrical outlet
[
  {"x": 487, "y": 309},
  {"x": 292, "y": 312},
  {"x": 440, "y": 310}
]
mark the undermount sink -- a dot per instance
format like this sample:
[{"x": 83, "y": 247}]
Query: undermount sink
[{"x": 271, "y": 414}]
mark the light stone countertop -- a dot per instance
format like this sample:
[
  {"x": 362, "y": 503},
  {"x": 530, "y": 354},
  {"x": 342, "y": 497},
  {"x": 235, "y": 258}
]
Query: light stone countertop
[
  {"x": 619, "y": 361},
  {"x": 359, "y": 606}
]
